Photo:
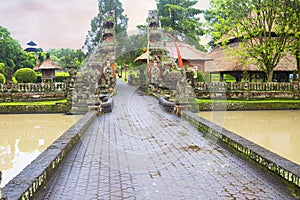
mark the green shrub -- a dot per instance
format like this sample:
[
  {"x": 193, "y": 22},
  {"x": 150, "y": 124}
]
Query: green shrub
[
  {"x": 2, "y": 68},
  {"x": 38, "y": 77},
  {"x": 25, "y": 75},
  {"x": 203, "y": 77},
  {"x": 14, "y": 80},
  {"x": 61, "y": 76},
  {"x": 2, "y": 78}
]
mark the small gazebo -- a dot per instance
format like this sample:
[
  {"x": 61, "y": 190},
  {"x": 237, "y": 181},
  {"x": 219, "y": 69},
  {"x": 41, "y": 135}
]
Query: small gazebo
[{"x": 47, "y": 68}]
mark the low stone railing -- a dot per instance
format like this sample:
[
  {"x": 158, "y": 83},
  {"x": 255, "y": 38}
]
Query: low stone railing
[
  {"x": 167, "y": 105},
  {"x": 287, "y": 170},
  {"x": 107, "y": 106},
  {"x": 245, "y": 90},
  {"x": 33, "y": 87},
  {"x": 32, "y": 92},
  {"x": 247, "y": 86}
]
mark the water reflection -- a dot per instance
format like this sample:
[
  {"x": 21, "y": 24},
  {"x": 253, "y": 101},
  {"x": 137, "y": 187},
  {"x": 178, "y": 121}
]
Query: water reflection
[
  {"x": 24, "y": 137},
  {"x": 278, "y": 131}
]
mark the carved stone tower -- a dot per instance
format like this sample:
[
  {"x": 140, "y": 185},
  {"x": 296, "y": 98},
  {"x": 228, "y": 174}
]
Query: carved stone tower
[
  {"x": 155, "y": 48},
  {"x": 97, "y": 78},
  {"x": 107, "y": 50}
]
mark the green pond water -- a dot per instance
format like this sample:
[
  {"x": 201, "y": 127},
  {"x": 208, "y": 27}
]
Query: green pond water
[
  {"x": 277, "y": 131},
  {"x": 25, "y": 136}
]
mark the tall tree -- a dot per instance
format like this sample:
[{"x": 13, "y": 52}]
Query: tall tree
[
  {"x": 182, "y": 20},
  {"x": 12, "y": 55},
  {"x": 131, "y": 46},
  {"x": 95, "y": 32},
  {"x": 294, "y": 26},
  {"x": 261, "y": 25},
  {"x": 67, "y": 57}
]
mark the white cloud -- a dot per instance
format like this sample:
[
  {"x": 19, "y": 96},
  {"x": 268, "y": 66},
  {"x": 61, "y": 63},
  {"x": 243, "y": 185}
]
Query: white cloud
[
  {"x": 137, "y": 11},
  {"x": 63, "y": 23},
  {"x": 50, "y": 23}
]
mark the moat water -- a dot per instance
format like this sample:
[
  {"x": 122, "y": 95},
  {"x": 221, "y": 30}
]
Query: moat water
[
  {"x": 277, "y": 131},
  {"x": 25, "y": 136}
]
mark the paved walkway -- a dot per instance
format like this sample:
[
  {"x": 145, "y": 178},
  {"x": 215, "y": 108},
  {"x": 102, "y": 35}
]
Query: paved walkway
[{"x": 140, "y": 152}]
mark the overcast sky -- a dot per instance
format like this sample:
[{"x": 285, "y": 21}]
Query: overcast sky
[{"x": 63, "y": 23}]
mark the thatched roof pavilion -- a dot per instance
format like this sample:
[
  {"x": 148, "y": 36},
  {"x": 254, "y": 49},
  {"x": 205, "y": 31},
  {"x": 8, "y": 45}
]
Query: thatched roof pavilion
[
  {"x": 190, "y": 56},
  {"x": 47, "y": 68},
  {"x": 225, "y": 62}
]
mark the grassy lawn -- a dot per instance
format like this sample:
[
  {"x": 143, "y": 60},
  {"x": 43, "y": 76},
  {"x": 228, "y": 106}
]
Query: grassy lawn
[{"x": 38, "y": 103}]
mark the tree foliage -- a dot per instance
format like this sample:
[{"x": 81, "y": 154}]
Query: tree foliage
[
  {"x": 262, "y": 26},
  {"x": 294, "y": 26},
  {"x": 2, "y": 68},
  {"x": 2, "y": 78},
  {"x": 12, "y": 55},
  {"x": 182, "y": 20},
  {"x": 121, "y": 21},
  {"x": 25, "y": 75},
  {"x": 66, "y": 57},
  {"x": 133, "y": 46}
]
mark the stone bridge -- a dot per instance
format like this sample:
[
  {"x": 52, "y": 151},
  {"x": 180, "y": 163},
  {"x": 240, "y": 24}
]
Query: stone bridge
[{"x": 139, "y": 151}]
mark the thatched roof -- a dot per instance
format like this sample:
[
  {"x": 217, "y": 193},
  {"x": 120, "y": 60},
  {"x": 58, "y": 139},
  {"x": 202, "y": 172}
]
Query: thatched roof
[
  {"x": 47, "y": 64},
  {"x": 187, "y": 52},
  {"x": 224, "y": 61}
]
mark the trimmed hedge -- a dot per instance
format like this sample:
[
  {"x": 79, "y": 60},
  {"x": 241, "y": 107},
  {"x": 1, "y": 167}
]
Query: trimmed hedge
[{"x": 25, "y": 75}]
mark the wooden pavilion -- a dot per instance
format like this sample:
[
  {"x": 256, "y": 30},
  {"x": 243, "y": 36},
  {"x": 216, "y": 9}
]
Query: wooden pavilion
[
  {"x": 191, "y": 57},
  {"x": 224, "y": 62},
  {"x": 47, "y": 68}
]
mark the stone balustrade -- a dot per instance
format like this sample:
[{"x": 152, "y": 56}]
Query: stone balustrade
[
  {"x": 245, "y": 90},
  {"x": 33, "y": 87},
  {"x": 32, "y": 92},
  {"x": 245, "y": 86}
]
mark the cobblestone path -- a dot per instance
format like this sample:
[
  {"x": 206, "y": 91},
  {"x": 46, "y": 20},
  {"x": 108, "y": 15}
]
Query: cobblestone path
[{"x": 140, "y": 152}]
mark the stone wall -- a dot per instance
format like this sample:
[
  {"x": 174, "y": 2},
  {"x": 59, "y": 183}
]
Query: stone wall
[
  {"x": 18, "y": 109},
  {"x": 230, "y": 106},
  {"x": 247, "y": 91},
  {"x": 29, "y": 92}
]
